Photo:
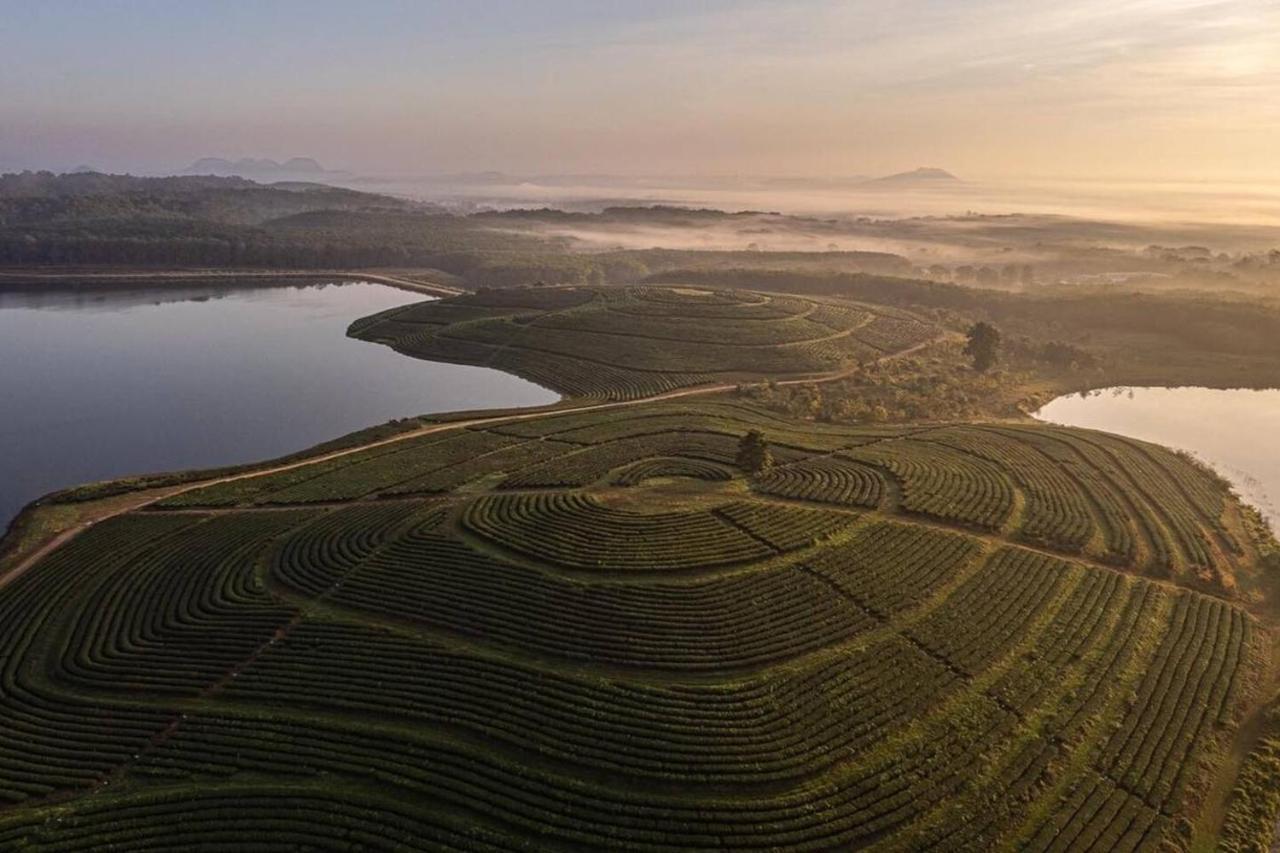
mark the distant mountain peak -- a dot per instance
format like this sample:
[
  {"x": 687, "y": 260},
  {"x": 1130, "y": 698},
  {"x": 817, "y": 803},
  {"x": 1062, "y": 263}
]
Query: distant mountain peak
[
  {"x": 922, "y": 175},
  {"x": 302, "y": 164}
]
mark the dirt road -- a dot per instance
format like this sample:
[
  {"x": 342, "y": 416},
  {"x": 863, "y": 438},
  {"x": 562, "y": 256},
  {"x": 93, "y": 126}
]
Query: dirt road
[{"x": 152, "y": 497}]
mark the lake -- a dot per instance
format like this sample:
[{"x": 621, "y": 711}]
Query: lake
[
  {"x": 105, "y": 383},
  {"x": 1235, "y": 431}
]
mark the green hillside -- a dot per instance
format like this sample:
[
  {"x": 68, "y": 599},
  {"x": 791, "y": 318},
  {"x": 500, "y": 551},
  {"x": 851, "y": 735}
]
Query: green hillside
[
  {"x": 620, "y": 343},
  {"x": 591, "y": 627}
]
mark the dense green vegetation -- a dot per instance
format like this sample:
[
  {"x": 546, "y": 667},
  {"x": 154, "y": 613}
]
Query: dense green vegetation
[
  {"x": 123, "y": 221},
  {"x": 91, "y": 219},
  {"x": 903, "y": 637}
]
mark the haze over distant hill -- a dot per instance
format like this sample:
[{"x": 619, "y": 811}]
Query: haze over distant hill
[{"x": 256, "y": 167}]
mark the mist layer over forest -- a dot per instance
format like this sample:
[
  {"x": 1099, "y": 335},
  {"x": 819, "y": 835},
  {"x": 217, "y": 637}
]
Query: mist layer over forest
[{"x": 1236, "y": 203}]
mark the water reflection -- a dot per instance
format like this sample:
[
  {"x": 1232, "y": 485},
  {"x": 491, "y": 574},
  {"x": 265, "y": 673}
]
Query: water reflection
[
  {"x": 109, "y": 297},
  {"x": 104, "y": 383}
]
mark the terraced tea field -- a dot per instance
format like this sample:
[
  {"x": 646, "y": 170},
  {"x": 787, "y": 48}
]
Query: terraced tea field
[
  {"x": 624, "y": 343},
  {"x": 592, "y": 630}
]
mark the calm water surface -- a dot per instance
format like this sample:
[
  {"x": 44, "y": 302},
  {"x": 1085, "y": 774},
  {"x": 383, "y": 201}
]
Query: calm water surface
[
  {"x": 1237, "y": 432},
  {"x": 100, "y": 384}
]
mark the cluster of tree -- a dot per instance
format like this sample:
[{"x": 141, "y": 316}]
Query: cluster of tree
[
  {"x": 983, "y": 346},
  {"x": 1006, "y": 275},
  {"x": 1203, "y": 254},
  {"x": 989, "y": 374},
  {"x": 551, "y": 268},
  {"x": 652, "y": 214},
  {"x": 1052, "y": 354},
  {"x": 937, "y": 385},
  {"x": 905, "y": 393},
  {"x": 90, "y": 200},
  {"x": 217, "y": 248},
  {"x": 92, "y": 219},
  {"x": 754, "y": 455},
  {"x": 45, "y": 184},
  {"x": 1259, "y": 260},
  {"x": 705, "y": 260}
]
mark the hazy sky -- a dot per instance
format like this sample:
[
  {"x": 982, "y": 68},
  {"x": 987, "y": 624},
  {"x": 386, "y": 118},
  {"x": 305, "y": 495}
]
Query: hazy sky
[{"x": 987, "y": 88}]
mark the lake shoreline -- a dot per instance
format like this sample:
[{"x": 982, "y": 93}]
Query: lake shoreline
[
  {"x": 194, "y": 376},
  {"x": 21, "y": 279},
  {"x": 1221, "y": 428}
]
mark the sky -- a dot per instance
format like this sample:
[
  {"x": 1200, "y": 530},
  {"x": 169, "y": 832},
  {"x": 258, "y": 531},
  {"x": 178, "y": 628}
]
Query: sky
[{"x": 994, "y": 89}]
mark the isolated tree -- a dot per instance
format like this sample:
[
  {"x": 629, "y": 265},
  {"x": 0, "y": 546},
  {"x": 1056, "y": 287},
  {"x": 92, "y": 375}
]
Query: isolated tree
[
  {"x": 754, "y": 456},
  {"x": 983, "y": 346}
]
